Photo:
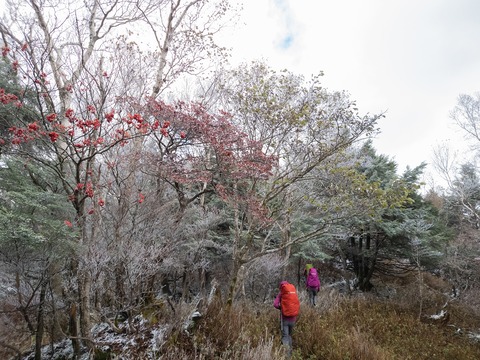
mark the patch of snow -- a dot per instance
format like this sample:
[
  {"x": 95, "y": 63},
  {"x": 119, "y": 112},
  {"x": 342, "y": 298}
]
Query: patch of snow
[
  {"x": 439, "y": 316},
  {"x": 190, "y": 322},
  {"x": 7, "y": 290},
  {"x": 474, "y": 336},
  {"x": 159, "y": 337},
  {"x": 98, "y": 328},
  {"x": 62, "y": 350}
]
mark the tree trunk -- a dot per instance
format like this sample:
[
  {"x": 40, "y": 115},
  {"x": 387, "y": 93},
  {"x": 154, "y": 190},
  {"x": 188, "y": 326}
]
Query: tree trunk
[
  {"x": 237, "y": 264},
  {"x": 185, "y": 285},
  {"x": 361, "y": 262},
  {"x": 40, "y": 322},
  {"x": 73, "y": 330},
  {"x": 119, "y": 284},
  {"x": 343, "y": 257},
  {"x": 299, "y": 272},
  {"x": 22, "y": 307},
  {"x": 287, "y": 237},
  {"x": 286, "y": 259},
  {"x": 84, "y": 288},
  {"x": 202, "y": 280}
]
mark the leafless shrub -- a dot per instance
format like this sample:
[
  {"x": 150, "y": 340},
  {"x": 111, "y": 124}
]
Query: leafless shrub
[
  {"x": 328, "y": 300},
  {"x": 361, "y": 347},
  {"x": 263, "y": 276}
]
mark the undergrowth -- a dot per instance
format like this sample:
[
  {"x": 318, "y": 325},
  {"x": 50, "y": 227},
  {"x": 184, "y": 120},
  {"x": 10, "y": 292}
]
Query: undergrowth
[{"x": 338, "y": 329}]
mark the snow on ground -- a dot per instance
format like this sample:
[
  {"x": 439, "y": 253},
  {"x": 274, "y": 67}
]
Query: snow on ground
[{"x": 137, "y": 335}]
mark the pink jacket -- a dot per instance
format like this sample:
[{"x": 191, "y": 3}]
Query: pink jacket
[{"x": 312, "y": 281}]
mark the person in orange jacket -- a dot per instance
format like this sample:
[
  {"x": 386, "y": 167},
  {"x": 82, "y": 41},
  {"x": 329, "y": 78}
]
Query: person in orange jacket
[{"x": 289, "y": 305}]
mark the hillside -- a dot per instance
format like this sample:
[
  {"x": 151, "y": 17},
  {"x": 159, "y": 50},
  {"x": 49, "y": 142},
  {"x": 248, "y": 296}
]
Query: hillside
[{"x": 404, "y": 318}]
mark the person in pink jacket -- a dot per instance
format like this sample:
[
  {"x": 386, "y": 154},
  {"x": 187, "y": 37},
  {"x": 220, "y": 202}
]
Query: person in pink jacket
[{"x": 312, "y": 282}]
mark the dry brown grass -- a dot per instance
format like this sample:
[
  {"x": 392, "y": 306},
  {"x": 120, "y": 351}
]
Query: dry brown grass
[{"x": 338, "y": 328}]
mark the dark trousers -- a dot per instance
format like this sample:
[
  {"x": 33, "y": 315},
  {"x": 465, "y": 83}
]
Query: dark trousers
[
  {"x": 287, "y": 330},
  {"x": 312, "y": 293}
]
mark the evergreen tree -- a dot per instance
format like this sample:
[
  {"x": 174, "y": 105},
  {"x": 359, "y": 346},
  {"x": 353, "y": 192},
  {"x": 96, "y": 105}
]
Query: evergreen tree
[
  {"x": 402, "y": 236},
  {"x": 36, "y": 239}
]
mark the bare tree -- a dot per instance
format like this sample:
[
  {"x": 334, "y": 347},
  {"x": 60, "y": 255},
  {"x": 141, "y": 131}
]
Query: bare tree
[
  {"x": 466, "y": 115},
  {"x": 306, "y": 128},
  {"x": 68, "y": 53},
  {"x": 461, "y": 197}
]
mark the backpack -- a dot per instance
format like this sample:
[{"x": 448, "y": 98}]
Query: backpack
[
  {"x": 307, "y": 268},
  {"x": 312, "y": 279},
  {"x": 289, "y": 300}
]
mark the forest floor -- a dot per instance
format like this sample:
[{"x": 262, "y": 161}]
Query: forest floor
[{"x": 405, "y": 318}]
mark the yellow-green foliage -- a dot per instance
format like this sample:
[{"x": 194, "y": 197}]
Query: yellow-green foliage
[{"x": 154, "y": 311}]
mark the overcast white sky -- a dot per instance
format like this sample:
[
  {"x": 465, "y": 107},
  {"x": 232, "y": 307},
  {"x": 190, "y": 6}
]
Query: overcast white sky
[{"x": 410, "y": 58}]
